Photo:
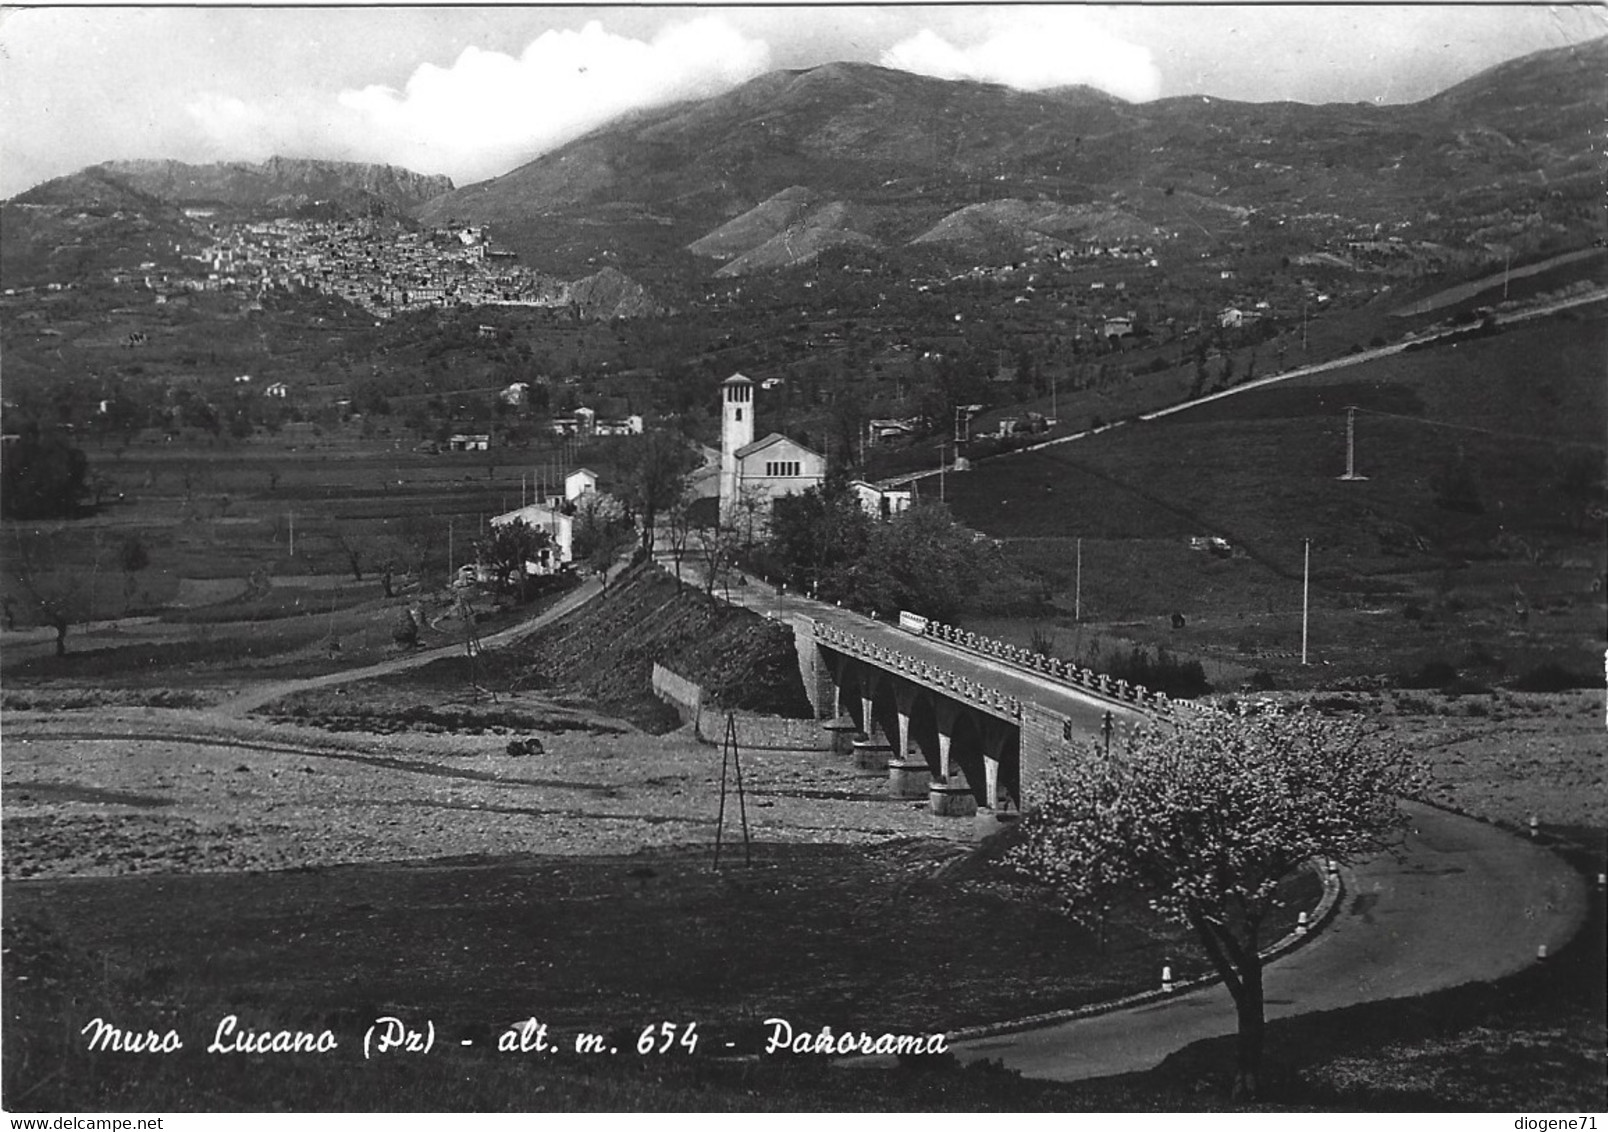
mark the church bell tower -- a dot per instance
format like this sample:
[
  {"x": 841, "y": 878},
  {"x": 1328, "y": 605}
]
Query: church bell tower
[{"x": 736, "y": 431}]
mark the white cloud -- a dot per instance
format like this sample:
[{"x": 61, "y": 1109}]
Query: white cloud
[
  {"x": 1031, "y": 49},
  {"x": 489, "y": 111}
]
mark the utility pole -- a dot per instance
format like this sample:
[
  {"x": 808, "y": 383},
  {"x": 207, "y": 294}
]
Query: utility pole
[
  {"x": 941, "y": 448},
  {"x": 450, "y": 555},
  {"x": 1306, "y": 576},
  {"x": 1077, "y": 598},
  {"x": 1351, "y": 445},
  {"x": 293, "y": 534}
]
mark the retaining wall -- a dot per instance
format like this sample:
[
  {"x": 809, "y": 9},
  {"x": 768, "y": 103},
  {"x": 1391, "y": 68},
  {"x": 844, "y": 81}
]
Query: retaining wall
[{"x": 679, "y": 692}]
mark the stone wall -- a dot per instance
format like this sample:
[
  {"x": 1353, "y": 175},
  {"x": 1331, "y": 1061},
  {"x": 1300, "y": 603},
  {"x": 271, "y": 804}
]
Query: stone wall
[
  {"x": 679, "y": 692},
  {"x": 1044, "y": 745},
  {"x": 812, "y": 666},
  {"x": 768, "y": 733},
  {"x": 754, "y": 732}
]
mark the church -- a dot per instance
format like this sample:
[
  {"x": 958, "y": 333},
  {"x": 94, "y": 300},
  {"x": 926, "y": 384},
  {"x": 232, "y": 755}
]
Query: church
[{"x": 759, "y": 469}]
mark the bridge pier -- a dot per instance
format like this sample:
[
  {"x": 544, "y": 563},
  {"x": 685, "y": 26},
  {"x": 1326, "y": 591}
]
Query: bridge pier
[
  {"x": 952, "y": 798},
  {"x": 904, "y": 701},
  {"x": 947, "y": 712}
]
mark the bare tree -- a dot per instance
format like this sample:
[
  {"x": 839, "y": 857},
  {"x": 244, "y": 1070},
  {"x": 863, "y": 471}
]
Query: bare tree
[
  {"x": 749, "y": 513},
  {"x": 356, "y": 545},
  {"x": 719, "y": 545},
  {"x": 678, "y": 529},
  {"x": 602, "y": 531},
  {"x": 132, "y": 558},
  {"x": 61, "y": 596},
  {"x": 655, "y": 468},
  {"x": 419, "y": 537}
]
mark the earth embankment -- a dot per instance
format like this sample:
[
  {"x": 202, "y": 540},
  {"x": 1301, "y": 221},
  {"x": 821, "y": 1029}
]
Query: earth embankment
[{"x": 604, "y": 653}]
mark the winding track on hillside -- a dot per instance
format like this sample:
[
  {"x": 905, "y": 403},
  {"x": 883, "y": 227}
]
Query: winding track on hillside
[
  {"x": 257, "y": 695},
  {"x": 1461, "y": 902}
]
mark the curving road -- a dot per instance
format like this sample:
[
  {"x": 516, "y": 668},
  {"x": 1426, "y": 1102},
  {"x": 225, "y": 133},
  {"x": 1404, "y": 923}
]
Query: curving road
[
  {"x": 1463, "y": 902},
  {"x": 257, "y": 695}
]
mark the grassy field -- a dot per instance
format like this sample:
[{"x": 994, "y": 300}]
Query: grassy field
[
  {"x": 818, "y": 935},
  {"x": 1496, "y": 582}
]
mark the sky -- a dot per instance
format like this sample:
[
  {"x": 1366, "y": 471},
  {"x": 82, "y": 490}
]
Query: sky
[{"x": 474, "y": 92}]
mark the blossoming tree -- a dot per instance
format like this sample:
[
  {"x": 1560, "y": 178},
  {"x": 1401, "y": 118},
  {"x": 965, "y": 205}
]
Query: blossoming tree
[{"x": 1206, "y": 818}]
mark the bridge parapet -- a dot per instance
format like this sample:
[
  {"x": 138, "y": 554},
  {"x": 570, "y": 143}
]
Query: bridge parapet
[
  {"x": 919, "y": 669},
  {"x": 1084, "y": 679}
]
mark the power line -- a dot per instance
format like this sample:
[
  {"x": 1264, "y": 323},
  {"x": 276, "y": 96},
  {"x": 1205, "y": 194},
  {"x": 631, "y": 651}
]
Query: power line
[{"x": 1487, "y": 431}]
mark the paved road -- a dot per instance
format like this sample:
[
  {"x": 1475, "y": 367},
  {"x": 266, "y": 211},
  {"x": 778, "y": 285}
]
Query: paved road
[
  {"x": 1503, "y": 319},
  {"x": 1086, "y": 710},
  {"x": 1466, "y": 902}
]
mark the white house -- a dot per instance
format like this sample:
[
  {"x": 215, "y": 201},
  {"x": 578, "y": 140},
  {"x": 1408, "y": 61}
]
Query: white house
[
  {"x": 578, "y": 483},
  {"x": 556, "y": 518},
  {"x": 762, "y": 469},
  {"x": 882, "y": 502},
  {"x": 624, "y": 426}
]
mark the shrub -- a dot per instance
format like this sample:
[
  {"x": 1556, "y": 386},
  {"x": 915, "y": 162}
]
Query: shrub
[
  {"x": 1551, "y": 677},
  {"x": 1177, "y": 678},
  {"x": 1432, "y": 674}
]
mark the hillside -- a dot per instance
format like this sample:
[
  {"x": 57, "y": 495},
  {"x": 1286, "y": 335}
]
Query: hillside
[
  {"x": 1007, "y": 227},
  {"x": 76, "y": 226},
  {"x": 278, "y": 184},
  {"x": 605, "y": 652},
  {"x": 763, "y": 222},
  {"x": 1475, "y": 537},
  {"x": 918, "y": 149},
  {"x": 609, "y": 294},
  {"x": 832, "y": 225}
]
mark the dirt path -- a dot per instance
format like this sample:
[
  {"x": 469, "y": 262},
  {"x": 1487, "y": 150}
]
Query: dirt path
[{"x": 255, "y": 696}]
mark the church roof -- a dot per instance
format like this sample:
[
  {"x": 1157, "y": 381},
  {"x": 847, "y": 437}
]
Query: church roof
[
  {"x": 765, "y": 442},
  {"x": 737, "y": 379}
]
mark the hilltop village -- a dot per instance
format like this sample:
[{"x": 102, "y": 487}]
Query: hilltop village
[{"x": 378, "y": 265}]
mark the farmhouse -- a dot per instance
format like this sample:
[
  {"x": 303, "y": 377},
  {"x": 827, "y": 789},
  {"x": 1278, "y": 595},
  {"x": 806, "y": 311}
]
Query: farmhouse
[
  {"x": 759, "y": 469},
  {"x": 469, "y": 441},
  {"x": 556, "y": 516},
  {"x": 625, "y": 426},
  {"x": 881, "y": 502}
]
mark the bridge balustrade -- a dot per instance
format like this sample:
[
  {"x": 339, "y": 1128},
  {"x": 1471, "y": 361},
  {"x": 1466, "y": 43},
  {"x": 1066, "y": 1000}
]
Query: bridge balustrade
[{"x": 1119, "y": 690}]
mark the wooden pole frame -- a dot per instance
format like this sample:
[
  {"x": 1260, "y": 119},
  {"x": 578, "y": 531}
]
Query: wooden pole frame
[{"x": 731, "y": 760}]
